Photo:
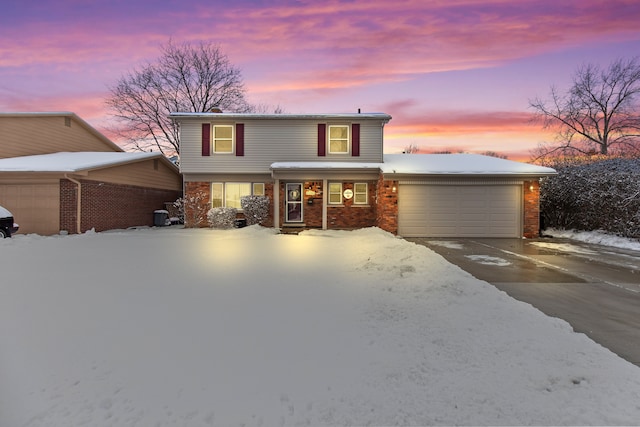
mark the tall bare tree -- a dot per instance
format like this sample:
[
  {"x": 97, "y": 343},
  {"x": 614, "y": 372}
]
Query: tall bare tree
[
  {"x": 185, "y": 78},
  {"x": 599, "y": 114}
]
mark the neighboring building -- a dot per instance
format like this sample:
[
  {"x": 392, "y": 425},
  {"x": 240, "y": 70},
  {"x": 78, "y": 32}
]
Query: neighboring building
[
  {"x": 57, "y": 173},
  {"x": 328, "y": 171}
]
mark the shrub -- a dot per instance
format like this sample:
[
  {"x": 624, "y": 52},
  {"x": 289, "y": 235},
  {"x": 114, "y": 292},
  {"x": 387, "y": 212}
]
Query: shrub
[
  {"x": 256, "y": 208},
  {"x": 604, "y": 195},
  {"x": 192, "y": 210},
  {"x": 222, "y": 217}
]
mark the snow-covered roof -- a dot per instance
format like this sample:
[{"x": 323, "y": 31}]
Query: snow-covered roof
[
  {"x": 261, "y": 116},
  {"x": 458, "y": 164},
  {"x": 430, "y": 164},
  {"x": 324, "y": 165},
  {"x": 71, "y": 162}
]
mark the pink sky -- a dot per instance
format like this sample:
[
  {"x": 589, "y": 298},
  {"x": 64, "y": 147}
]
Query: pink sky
[{"x": 454, "y": 74}]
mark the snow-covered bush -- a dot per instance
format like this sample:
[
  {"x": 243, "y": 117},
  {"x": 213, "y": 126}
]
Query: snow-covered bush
[
  {"x": 222, "y": 217},
  {"x": 192, "y": 210},
  {"x": 604, "y": 195},
  {"x": 256, "y": 208}
]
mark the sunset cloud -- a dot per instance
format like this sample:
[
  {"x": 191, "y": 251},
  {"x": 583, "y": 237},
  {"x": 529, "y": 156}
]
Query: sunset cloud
[{"x": 330, "y": 56}]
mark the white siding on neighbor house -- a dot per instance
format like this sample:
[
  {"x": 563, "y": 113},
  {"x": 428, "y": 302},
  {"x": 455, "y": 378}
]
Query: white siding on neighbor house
[{"x": 270, "y": 141}]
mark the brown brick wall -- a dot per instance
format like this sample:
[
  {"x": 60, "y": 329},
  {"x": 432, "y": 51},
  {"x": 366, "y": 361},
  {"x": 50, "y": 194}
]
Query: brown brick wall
[
  {"x": 387, "y": 205},
  {"x": 68, "y": 206},
  {"x": 107, "y": 206},
  {"x": 531, "y": 222}
]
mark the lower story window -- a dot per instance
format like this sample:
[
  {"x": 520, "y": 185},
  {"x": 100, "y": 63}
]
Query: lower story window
[
  {"x": 360, "y": 193},
  {"x": 335, "y": 193},
  {"x": 228, "y": 194}
]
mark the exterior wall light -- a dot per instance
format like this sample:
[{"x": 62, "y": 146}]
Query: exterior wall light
[{"x": 393, "y": 189}]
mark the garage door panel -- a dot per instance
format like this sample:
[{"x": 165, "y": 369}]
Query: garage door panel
[
  {"x": 427, "y": 210},
  {"x": 35, "y": 207}
]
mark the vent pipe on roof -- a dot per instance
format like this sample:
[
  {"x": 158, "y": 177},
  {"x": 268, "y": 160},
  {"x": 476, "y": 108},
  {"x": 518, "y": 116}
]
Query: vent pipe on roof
[{"x": 358, "y": 111}]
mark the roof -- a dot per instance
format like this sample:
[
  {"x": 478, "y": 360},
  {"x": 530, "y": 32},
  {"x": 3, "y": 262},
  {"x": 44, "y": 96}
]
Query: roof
[
  {"x": 69, "y": 114},
  {"x": 458, "y": 164},
  {"x": 430, "y": 164},
  {"x": 324, "y": 165},
  {"x": 72, "y": 162},
  {"x": 259, "y": 116}
]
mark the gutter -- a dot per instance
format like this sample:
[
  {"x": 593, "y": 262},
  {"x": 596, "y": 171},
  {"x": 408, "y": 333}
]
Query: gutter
[{"x": 78, "y": 203}]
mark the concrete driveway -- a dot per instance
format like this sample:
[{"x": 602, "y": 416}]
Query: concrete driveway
[{"x": 594, "y": 288}]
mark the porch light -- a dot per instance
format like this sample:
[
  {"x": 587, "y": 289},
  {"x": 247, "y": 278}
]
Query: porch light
[{"x": 393, "y": 189}]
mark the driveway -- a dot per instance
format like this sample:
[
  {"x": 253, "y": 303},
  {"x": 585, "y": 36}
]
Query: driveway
[{"x": 594, "y": 288}]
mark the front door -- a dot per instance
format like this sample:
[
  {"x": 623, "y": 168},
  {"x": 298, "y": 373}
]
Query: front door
[{"x": 293, "y": 202}]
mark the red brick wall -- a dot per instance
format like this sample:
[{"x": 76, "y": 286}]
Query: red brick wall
[
  {"x": 311, "y": 213},
  {"x": 107, "y": 206},
  {"x": 345, "y": 216},
  {"x": 387, "y": 209},
  {"x": 191, "y": 191},
  {"x": 193, "y": 188},
  {"x": 531, "y": 222},
  {"x": 350, "y": 215}
]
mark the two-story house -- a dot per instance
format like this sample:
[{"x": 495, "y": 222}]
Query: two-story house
[{"x": 328, "y": 171}]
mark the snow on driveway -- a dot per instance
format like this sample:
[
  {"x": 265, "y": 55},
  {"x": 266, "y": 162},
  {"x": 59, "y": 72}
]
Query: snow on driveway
[{"x": 248, "y": 327}]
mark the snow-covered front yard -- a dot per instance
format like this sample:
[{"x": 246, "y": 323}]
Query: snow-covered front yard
[{"x": 247, "y": 327}]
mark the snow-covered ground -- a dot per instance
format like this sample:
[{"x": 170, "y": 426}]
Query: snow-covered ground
[
  {"x": 247, "y": 327},
  {"x": 596, "y": 237}
]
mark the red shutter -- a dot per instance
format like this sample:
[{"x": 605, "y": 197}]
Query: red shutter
[
  {"x": 206, "y": 139},
  {"x": 239, "y": 139},
  {"x": 355, "y": 140},
  {"x": 322, "y": 139}
]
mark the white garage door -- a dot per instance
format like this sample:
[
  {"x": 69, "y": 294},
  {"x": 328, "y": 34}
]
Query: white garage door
[{"x": 427, "y": 210}]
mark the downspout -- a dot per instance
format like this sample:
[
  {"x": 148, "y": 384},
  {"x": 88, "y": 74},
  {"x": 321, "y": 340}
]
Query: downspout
[{"x": 78, "y": 202}]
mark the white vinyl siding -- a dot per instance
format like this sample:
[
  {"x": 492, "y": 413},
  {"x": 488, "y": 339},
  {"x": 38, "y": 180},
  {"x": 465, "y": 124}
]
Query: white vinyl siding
[
  {"x": 270, "y": 141},
  {"x": 459, "y": 210}
]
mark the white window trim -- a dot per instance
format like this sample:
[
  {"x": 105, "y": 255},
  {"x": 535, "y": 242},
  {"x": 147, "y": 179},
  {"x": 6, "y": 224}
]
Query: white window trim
[
  {"x": 366, "y": 193},
  {"x": 233, "y": 139},
  {"x": 329, "y": 193},
  {"x": 329, "y": 139}
]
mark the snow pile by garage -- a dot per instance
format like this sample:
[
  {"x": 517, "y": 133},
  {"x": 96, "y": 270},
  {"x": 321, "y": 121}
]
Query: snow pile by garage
[{"x": 248, "y": 327}]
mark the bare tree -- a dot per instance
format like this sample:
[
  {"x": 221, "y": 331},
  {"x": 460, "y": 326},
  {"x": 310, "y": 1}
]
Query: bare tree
[
  {"x": 494, "y": 154},
  {"x": 185, "y": 78},
  {"x": 411, "y": 149},
  {"x": 599, "y": 114}
]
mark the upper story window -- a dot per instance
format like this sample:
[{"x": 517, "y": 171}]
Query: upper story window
[
  {"x": 338, "y": 139},
  {"x": 223, "y": 139}
]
